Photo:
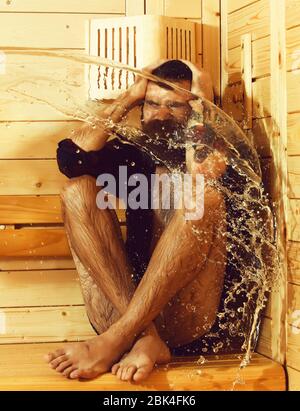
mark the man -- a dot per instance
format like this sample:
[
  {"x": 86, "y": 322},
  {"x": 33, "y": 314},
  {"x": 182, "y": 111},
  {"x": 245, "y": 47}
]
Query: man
[{"x": 160, "y": 291}]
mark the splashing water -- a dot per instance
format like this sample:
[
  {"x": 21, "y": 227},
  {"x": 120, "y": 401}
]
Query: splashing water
[{"x": 57, "y": 82}]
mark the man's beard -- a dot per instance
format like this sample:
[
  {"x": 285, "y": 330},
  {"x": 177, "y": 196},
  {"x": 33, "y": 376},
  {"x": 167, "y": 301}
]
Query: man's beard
[{"x": 168, "y": 132}]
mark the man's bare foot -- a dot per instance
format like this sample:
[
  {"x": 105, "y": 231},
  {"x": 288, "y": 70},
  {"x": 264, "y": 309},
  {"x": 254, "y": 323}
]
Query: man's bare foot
[
  {"x": 87, "y": 359},
  {"x": 139, "y": 362}
]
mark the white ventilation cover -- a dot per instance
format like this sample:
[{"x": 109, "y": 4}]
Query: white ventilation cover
[{"x": 135, "y": 41}]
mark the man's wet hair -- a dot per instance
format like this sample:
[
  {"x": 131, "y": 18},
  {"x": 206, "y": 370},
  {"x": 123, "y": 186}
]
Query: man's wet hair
[{"x": 173, "y": 70}]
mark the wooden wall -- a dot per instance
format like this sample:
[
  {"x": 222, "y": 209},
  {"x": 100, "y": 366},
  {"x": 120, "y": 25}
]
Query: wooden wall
[
  {"x": 40, "y": 297},
  {"x": 270, "y": 34}
]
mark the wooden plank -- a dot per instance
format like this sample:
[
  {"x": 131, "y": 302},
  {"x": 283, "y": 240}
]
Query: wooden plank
[
  {"x": 293, "y": 91},
  {"x": 69, "y": 29},
  {"x": 178, "y": 8},
  {"x": 293, "y": 313},
  {"x": 211, "y": 43},
  {"x": 58, "y": 90},
  {"x": 293, "y": 223},
  {"x": 293, "y": 121},
  {"x": 294, "y": 176},
  {"x": 292, "y": 48},
  {"x": 66, "y": 6},
  {"x": 21, "y": 139},
  {"x": 266, "y": 343},
  {"x": 134, "y": 8},
  {"x": 293, "y": 346},
  {"x": 224, "y": 50},
  {"x": 246, "y": 68},
  {"x": 155, "y": 7},
  {"x": 233, "y": 100},
  {"x": 278, "y": 112},
  {"x": 260, "y": 60},
  {"x": 261, "y": 131},
  {"x": 234, "y": 5},
  {"x": 31, "y": 263},
  {"x": 35, "y": 210},
  {"x": 293, "y": 379},
  {"x": 39, "y": 288},
  {"x": 66, "y": 323},
  {"x": 24, "y": 369},
  {"x": 261, "y": 97},
  {"x": 30, "y": 177},
  {"x": 36, "y": 242},
  {"x": 293, "y": 259},
  {"x": 292, "y": 13},
  {"x": 252, "y": 19}
]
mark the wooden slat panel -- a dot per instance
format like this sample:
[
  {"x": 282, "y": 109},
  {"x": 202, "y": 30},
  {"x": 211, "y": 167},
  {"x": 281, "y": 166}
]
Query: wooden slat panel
[
  {"x": 24, "y": 369},
  {"x": 294, "y": 306},
  {"x": 268, "y": 176},
  {"x": 260, "y": 60},
  {"x": 294, "y": 177},
  {"x": 211, "y": 44},
  {"x": 293, "y": 91},
  {"x": 30, "y": 263},
  {"x": 293, "y": 346},
  {"x": 134, "y": 8},
  {"x": 39, "y": 288},
  {"x": 69, "y": 30},
  {"x": 179, "y": 8},
  {"x": 234, "y": 5},
  {"x": 30, "y": 177},
  {"x": 293, "y": 258},
  {"x": 293, "y": 379},
  {"x": 264, "y": 345},
  {"x": 233, "y": 100},
  {"x": 44, "y": 324},
  {"x": 35, "y": 209},
  {"x": 66, "y": 6},
  {"x": 262, "y": 129},
  {"x": 292, "y": 48},
  {"x": 261, "y": 98},
  {"x": 293, "y": 224},
  {"x": 293, "y": 121},
  {"x": 34, "y": 139},
  {"x": 252, "y": 19},
  {"x": 292, "y": 13},
  {"x": 36, "y": 242},
  {"x": 155, "y": 7},
  {"x": 58, "y": 89},
  {"x": 266, "y": 338}
]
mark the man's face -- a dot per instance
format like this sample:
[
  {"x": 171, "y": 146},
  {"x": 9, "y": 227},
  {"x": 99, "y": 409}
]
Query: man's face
[{"x": 165, "y": 112}]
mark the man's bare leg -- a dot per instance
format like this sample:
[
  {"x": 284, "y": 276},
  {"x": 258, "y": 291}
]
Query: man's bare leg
[
  {"x": 98, "y": 250},
  {"x": 192, "y": 311}
]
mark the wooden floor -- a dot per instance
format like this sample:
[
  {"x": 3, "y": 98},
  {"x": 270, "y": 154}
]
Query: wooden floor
[{"x": 22, "y": 368}]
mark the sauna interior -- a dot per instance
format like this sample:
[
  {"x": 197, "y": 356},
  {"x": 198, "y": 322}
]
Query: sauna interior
[{"x": 251, "y": 48}]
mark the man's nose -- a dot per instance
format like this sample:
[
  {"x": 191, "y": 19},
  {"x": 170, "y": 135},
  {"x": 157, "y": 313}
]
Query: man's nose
[{"x": 163, "y": 113}]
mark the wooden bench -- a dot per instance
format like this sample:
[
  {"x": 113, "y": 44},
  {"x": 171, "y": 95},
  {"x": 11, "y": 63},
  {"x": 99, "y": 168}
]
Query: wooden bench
[{"x": 42, "y": 306}]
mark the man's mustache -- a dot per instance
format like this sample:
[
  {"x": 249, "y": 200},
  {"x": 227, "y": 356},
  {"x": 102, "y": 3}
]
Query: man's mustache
[{"x": 166, "y": 128}]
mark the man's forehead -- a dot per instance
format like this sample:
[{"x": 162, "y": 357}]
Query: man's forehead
[{"x": 156, "y": 91}]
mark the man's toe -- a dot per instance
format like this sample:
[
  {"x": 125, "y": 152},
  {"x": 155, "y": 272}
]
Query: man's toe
[
  {"x": 55, "y": 363},
  {"x": 65, "y": 364},
  {"x": 142, "y": 372},
  {"x": 115, "y": 368},
  {"x": 130, "y": 371}
]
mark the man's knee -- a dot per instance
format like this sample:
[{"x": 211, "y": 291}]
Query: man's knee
[{"x": 78, "y": 191}]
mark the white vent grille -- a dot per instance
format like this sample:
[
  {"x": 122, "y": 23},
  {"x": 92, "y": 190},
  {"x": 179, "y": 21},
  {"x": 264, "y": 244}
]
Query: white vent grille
[{"x": 137, "y": 42}]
